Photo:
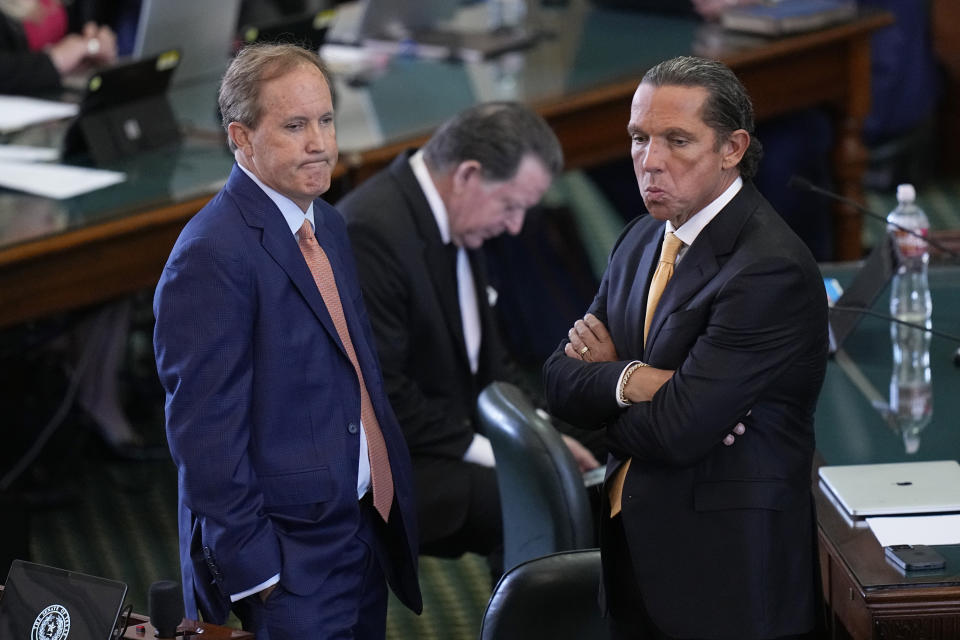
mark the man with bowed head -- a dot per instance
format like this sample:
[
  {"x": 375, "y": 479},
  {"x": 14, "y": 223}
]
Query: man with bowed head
[
  {"x": 417, "y": 228},
  {"x": 711, "y": 315},
  {"x": 296, "y": 503}
]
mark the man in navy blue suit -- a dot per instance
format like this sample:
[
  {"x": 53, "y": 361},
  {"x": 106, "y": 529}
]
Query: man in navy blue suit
[
  {"x": 711, "y": 315},
  {"x": 274, "y": 394}
]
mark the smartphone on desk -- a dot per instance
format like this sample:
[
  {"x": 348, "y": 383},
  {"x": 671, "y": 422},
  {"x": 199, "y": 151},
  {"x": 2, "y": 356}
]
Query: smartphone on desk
[{"x": 915, "y": 557}]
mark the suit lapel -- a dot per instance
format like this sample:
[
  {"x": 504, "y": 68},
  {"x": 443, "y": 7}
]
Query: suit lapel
[
  {"x": 637, "y": 295},
  {"x": 440, "y": 269},
  {"x": 260, "y": 212},
  {"x": 703, "y": 259},
  {"x": 697, "y": 267}
]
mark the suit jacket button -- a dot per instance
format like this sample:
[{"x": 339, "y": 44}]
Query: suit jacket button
[{"x": 352, "y": 427}]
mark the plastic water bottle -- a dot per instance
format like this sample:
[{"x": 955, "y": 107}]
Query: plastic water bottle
[
  {"x": 506, "y": 14},
  {"x": 911, "y": 402}
]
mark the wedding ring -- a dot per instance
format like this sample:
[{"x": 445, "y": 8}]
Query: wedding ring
[
  {"x": 93, "y": 46},
  {"x": 583, "y": 351}
]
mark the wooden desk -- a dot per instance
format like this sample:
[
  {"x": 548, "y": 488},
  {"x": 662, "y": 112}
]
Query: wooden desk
[
  {"x": 88, "y": 257},
  {"x": 868, "y": 597}
]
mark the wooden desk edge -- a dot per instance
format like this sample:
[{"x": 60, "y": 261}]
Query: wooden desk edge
[
  {"x": 895, "y": 610},
  {"x": 192, "y": 627}
]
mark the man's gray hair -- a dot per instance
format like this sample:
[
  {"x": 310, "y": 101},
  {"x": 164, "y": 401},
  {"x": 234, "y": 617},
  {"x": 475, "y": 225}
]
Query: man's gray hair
[
  {"x": 239, "y": 97},
  {"x": 727, "y": 107},
  {"x": 498, "y": 135}
]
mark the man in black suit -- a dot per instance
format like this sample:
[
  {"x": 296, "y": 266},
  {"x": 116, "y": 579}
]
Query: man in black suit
[
  {"x": 702, "y": 540},
  {"x": 416, "y": 229}
]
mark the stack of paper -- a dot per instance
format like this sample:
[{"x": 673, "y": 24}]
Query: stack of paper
[
  {"x": 19, "y": 112},
  {"x": 55, "y": 180}
]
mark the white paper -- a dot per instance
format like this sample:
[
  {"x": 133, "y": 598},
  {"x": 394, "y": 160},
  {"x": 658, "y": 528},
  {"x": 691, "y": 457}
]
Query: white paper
[
  {"x": 19, "y": 112},
  {"x": 55, "y": 180},
  {"x": 929, "y": 530},
  {"x": 22, "y": 153}
]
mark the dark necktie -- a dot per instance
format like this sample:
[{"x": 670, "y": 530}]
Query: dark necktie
[{"x": 380, "y": 475}]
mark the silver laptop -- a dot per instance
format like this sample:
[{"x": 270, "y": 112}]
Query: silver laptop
[
  {"x": 896, "y": 488},
  {"x": 362, "y": 19},
  {"x": 203, "y": 30},
  {"x": 43, "y": 603},
  {"x": 203, "y": 36}
]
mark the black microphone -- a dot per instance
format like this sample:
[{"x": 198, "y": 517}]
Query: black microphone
[
  {"x": 166, "y": 608},
  {"x": 884, "y": 316},
  {"x": 802, "y": 184},
  {"x": 914, "y": 325}
]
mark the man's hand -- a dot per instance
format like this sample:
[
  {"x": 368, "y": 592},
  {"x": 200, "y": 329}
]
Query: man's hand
[
  {"x": 96, "y": 45},
  {"x": 581, "y": 454},
  {"x": 590, "y": 341},
  {"x": 264, "y": 594},
  {"x": 738, "y": 430}
]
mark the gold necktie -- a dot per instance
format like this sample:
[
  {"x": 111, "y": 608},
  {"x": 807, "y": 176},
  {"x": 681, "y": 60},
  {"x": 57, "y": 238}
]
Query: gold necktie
[
  {"x": 668, "y": 256},
  {"x": 380, "y": 475}
]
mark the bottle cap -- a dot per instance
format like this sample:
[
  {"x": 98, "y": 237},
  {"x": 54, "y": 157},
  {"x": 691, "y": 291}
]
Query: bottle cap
[{"x": 906, "y": 193}]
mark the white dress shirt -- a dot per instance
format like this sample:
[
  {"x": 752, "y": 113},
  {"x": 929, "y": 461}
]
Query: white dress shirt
[{"x": 479, "y": 451}]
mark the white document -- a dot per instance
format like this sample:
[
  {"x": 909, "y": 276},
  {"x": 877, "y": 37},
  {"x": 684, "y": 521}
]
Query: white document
[
  {"x": 22, "y": 153},
  {"x": 929, "y": 530},
  {"x": 19, "y": 112},
  {"x": 55, "y": 180}
]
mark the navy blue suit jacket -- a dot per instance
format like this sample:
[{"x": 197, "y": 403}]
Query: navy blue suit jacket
[
  {"x": 263, "y": 405},
  {"x": 721, "y": 538}
]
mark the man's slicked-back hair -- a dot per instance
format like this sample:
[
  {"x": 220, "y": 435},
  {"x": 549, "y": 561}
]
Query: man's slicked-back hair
[
  {"x": 239, "y": 97},
  {"x": 727, "y": 107},
  {"x": 497, "y": 135}
]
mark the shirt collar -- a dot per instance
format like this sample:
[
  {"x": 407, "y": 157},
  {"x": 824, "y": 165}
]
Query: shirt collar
[
  {"x": 690, "y": 229},
  {"x": 439, "y": 210},
  {"x": 292, "y": 214}
]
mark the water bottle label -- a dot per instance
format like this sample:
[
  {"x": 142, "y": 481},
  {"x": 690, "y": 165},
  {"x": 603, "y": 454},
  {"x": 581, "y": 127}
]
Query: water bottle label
[{"x": 910, "y": 246}]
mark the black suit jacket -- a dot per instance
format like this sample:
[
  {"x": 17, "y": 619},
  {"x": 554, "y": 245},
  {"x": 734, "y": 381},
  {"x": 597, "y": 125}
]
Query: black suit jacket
[
  {"x": 410, "y": 290},
  {"x": 722, "y": 538},
  {"x": 22, "y": 70}
]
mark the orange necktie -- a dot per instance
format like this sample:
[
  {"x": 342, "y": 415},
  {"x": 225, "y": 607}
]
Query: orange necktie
[
  {"x": 380, "y": 475},
  {"x": 668, "y": 256}
]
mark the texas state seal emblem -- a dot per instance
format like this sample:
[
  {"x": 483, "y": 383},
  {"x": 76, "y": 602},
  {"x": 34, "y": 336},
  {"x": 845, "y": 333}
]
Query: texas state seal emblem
[{"x": 53, "y": 623}]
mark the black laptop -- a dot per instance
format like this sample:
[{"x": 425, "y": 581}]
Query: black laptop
[
  {"x": 46, "y": 603},
  {"x": 308, "y": 30},
  {"x": 124, "y": 110},
  {"x": 859, "y": 296}
]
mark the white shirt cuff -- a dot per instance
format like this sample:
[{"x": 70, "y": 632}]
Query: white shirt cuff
[
  {"x": 480, "y": 451},
  {"x": 257, "y": 589},
  {"x": 616, "y": 390}
]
